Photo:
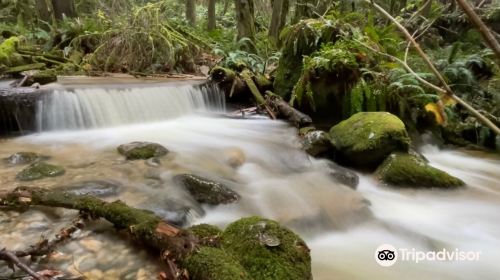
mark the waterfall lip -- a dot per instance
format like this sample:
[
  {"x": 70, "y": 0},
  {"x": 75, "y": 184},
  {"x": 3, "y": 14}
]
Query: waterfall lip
[
  {"x": 115, "y": 105},
  {"x": 78, "y": 82}
]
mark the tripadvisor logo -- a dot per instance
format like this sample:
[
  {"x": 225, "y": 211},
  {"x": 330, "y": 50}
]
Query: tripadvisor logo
[{"x": 387, "y": 255}]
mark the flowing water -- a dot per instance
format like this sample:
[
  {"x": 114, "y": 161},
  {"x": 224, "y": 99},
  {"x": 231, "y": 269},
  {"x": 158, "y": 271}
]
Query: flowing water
[{"x": 81, "y": 128}]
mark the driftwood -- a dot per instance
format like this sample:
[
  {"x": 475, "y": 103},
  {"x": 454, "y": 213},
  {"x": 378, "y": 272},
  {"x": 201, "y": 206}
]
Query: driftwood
[{"x": 285, "y": 111}]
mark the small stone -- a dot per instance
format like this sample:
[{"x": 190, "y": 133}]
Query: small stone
[
  {"x": 92, "y": 245},
  {"x": 40, "y": 170},
  {"x": 269, "y": 240},
  {"x": 206, "y": 191},
  {"x": 142, "y": 150},
  {"x": 24, "y": 158},
  {"x": 234, "y": 157}
]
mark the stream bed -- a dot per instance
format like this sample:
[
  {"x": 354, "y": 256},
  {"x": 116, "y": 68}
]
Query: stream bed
[{"x": 261, "y": 160}]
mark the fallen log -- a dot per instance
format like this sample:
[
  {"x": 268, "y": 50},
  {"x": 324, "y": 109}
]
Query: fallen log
[
  {"x": 22, "y": 68},
  {"x": 250, "y": 248},
  {"x": 285, "y": 111}
]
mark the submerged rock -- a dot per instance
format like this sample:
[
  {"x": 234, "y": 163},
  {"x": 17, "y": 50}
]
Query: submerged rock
[
  {"x": 343, "y": 175},
  {"x": 367, "y": 138},
  {"x": 317, "y": 143},
  {"x": 24, "y": 158},
  {"x": 142, "y": 150},
  {"x": 267, "y": 250},
  {"x": 406, "y": 170},
  {"x": 98, "y": 188},
  {"x": 39, "y": 170},
  {"x": 206, "y": 191}
]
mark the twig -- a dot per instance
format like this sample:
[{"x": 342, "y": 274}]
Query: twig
[
  {"x": 12, "y": 259},
  {"x": 447, "y": 90}
]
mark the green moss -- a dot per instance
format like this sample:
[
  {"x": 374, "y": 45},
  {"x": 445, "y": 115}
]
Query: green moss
[
  {"x": 8, "y": 54},
  {"x": 299, "y": 40},
  {"x": 214, "y": 264},
  {"x": 367, "y": 138},
  {"x": 204, "y": 230},
  {"x": 406, "y": 170},
  {"x": 39, "y": 170},
  {"x": 267, "y": 250},
  {"x": 45, "y": 77},
  {"x": 26, "y": 67},
  {"x": 142, "y": 150}
]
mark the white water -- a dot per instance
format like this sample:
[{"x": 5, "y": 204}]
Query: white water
[
  {"x": 84, "y": 108},
  {"x": 279, "y": 181}
]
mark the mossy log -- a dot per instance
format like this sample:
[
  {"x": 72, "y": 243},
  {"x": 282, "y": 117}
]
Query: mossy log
[
  {"x": 228, "y": 81},
  {"x": 142, "y": 225},
  {"x": 250, "y": 248},
  {"x": 26, "y": 67}
]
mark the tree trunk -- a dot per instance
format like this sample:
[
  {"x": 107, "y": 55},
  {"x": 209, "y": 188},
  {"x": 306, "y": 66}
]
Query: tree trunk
[
  {"x": 44, "y": 10},
  {"x": 211, "y": 15},
  {"x": 64, "y": 8},
  {"x": 304, "y": 9},
  {"x": 245, "y": 19},
  {"x": 191, "y": 12},
  {"x": 278, "y": 19},
  {"x": 488, "y": 37}
]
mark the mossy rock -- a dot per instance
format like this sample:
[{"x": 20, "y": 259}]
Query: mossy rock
[
  {"x": 8, "y": 54},
  {"x": 214, "y": 264},
  {"x": 205, "y": 231},
  {"x": 367, "y": 138},
  {"x": 142, "y": 150},
  {"x": 40, "y": 170},
  {"x": 205, "y": 190},
  {"x": 24, "y": 158},
  {"x": 407, "y": 170},
  {"x": 267, "y": 250}
]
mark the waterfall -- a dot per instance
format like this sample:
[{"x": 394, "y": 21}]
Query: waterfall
[{"x": 85, "y": 108}]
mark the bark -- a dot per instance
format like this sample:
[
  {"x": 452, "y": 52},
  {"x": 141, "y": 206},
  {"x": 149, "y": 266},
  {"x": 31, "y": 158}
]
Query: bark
[
  {"x": 245, "y": 19},
  {"x": 287, "y": 112},
  {"x": 278, "y": 19},
  {"x": 191, "y": 12},
  {"x": 211, "y": 15},
  {"x": 304, "y": 9},
  {"x": 44, "y": 10},
  {"x": 64, "y": 8},
  {"x": 488, "y": 36}
]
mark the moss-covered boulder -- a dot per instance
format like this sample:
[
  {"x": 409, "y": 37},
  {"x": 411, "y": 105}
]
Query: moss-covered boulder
[
  {"x": 215, "y": 264},
  {"x": 205, "y": 231},
  {"x": 40, "y": 170},
  {"x": 205, "y": 190},
  {"x": 142, "y": 150},
  {"x": 267, "y": 250},
  {"x": 24, "y": 158},
  {"x": 367, "y": 138},
  {"x": 407, "y": 170}
]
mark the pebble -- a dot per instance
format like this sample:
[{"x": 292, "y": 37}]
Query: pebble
[{"x": 92, "y": 245}]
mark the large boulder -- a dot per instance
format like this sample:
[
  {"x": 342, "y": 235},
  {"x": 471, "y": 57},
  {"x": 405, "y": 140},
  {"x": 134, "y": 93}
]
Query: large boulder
[
  {"x": 410, "y": 170},
  {"x": 39, "y": 170},
  {"x": 367, "y": 138},
  {"x": 267, "y": 250},
  {"x": 205, "y": 190},
  {"x": 142, "y": 150}
]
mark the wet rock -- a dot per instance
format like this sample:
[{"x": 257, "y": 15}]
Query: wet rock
[
  {"x": 24, "y": 158},
  {"x": 317, "y": 143},
  {"x": 99, "y": 188},
  {"x": 367, "y": 138},
  {"x": 206, "y": 191},
  {"x": 406, "y": 170},
  {"x": 142, "y": 150},
  {"x": 234, "y": 157},
  {"x": 39, "y": 170},
  {"x": 343, "y": 175},
  {"x": 267, "y": 250},
  {"x": 92, "y": 245}
]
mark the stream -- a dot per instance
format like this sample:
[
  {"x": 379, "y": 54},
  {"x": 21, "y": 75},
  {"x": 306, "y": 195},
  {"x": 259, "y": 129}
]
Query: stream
[{"x": 80, "y": 128}]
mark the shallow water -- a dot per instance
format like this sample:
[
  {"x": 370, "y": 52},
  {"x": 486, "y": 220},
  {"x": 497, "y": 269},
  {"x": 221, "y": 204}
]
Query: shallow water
[{"x": 276, "y": 180}]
